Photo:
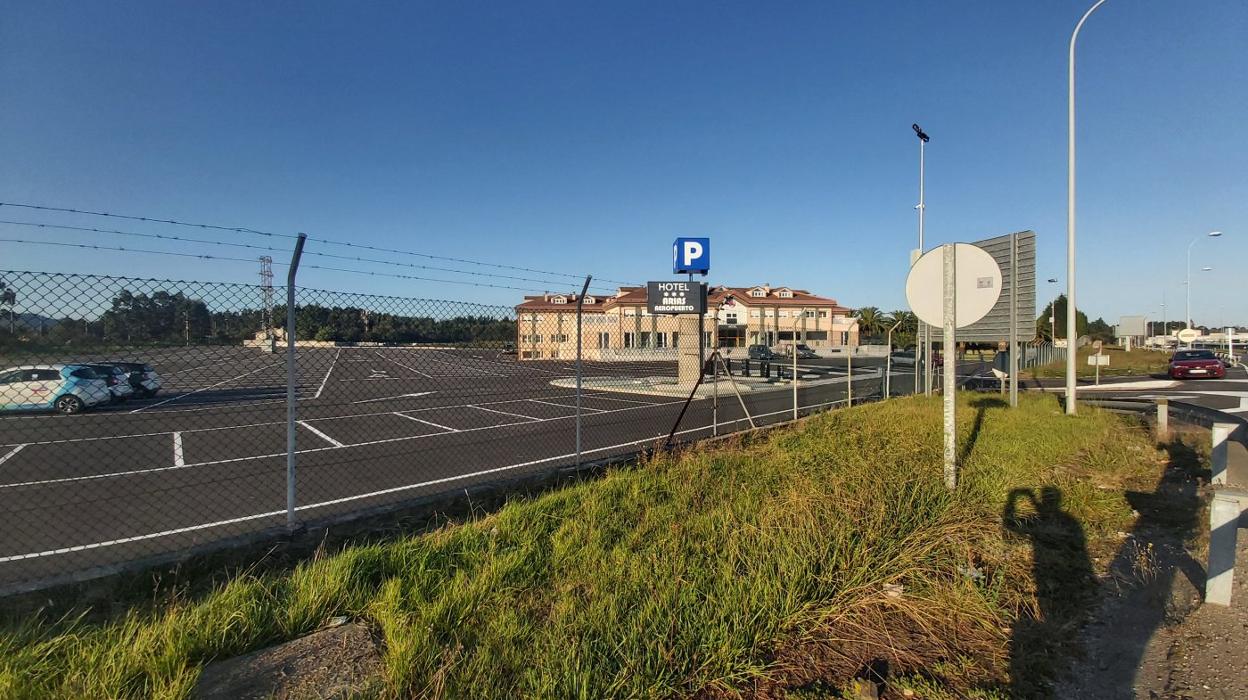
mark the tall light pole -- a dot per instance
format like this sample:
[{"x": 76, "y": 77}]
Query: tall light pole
[
  {"x": 1053, "y": 315},
  {"x": 925, "y": 333},
  {"x": 1211, "y": 234},
  {"x": 1071, "y": 330}
]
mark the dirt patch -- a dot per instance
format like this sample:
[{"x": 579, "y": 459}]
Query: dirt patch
[{"x": 338, "y": 662}]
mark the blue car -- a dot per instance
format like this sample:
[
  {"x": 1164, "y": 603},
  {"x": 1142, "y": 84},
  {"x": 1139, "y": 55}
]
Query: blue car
[{"x": 64, "y": 388}]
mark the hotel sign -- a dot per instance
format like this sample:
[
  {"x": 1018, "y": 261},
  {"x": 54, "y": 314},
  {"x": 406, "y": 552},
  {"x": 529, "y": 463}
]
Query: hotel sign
[{"x": 676, "y": 297}]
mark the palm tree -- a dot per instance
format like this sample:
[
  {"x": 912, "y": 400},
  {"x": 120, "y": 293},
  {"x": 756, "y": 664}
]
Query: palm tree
[
  {"x": 908, "y": 320},
  {"x": 870, "y": 320}
]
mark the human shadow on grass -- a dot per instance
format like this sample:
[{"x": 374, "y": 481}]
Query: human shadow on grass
[
  {"x": 1064, "y": 581},
  {"x": 1131, "y": 603}
]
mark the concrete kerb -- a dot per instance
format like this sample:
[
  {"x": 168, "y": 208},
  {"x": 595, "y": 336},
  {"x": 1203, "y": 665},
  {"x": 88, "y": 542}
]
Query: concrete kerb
[{"x": 669, "y": 386}]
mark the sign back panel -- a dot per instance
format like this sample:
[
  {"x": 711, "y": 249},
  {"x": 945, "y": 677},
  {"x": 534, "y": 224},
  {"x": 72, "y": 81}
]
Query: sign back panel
[{"x": 995, "y": 325}]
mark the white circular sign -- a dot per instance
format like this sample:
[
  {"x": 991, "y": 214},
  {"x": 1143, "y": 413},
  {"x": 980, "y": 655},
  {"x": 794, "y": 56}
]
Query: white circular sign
[
  {"x": 978, "y": 285},
  {"x": 1187, "y": 335}
]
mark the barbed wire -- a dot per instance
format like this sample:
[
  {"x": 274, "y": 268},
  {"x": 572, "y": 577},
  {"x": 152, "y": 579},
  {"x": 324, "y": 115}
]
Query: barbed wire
[
  {"x": 327, "y": 241},
  {"x": 252, "y": 246},
  {"x": 226, "y": 258}
]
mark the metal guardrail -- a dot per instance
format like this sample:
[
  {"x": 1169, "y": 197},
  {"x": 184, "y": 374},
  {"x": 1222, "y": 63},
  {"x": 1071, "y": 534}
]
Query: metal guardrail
[{"x": 1229, "y": 503}]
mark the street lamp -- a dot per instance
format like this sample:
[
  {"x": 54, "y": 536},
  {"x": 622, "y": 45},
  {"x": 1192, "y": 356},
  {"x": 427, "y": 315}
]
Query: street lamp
[
  {"x": 1070, "y": 215},
  {"x": 1211, "y": 234},
  {"x": 925, "y": 335}
]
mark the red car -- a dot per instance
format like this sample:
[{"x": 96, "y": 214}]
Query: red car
[{"x": 1191, "y": 364}]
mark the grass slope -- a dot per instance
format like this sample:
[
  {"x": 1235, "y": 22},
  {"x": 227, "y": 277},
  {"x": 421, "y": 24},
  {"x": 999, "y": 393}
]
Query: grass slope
[
  {"x": 1141, "y": 363},
  {"x": 713, "y": 572}
]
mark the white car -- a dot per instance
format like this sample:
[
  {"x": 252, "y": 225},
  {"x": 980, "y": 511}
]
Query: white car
[{"x": 61, "y": 388}]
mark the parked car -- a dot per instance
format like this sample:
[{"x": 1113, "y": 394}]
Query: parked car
[
  {"x": 805, "y": 353},
  {"x": 143, "y": 377},
  {"x": 1189, "y": 364},
  {"x": 903, "y": 357},
  {"x": 117, "y": 379},
  {"x": 762, "y": 352},
  {"x": 61, "y": 388}
]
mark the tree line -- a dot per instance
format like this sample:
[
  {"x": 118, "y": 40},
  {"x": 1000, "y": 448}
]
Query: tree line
[{"x": 175, "y": 318}]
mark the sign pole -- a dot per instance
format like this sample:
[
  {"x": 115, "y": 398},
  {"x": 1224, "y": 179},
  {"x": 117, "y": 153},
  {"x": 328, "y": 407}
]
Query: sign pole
[
  {"x": 1013, "y": 345},
  {"x": 950, "y": 366}
]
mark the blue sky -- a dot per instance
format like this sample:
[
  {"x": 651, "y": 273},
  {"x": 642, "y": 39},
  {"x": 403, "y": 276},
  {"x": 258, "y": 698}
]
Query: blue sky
[{"x": 583, "y": 137}]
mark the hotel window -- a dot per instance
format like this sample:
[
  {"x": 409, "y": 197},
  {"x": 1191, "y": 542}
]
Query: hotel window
[
  {"x": 784, "y": 294},
  {"x": 660, "y": 340},
  {"x": 629, "y": 340},
  {"x": 730, "y": 318},
  {"x": 706, "y": 339},
  {"x": 755, "y": 313},
  {"x": 604, "y": 340},
  {"x": 757, "y": 293},
  {"x": 560, "y": 338},
  {"x": 645, "y": 339},
  {"x": 823, "y": 314}
]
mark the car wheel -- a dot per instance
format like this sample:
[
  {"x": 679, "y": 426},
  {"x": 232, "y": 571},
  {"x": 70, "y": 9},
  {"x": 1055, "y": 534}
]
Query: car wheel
[{"x": 69, "y": 404}]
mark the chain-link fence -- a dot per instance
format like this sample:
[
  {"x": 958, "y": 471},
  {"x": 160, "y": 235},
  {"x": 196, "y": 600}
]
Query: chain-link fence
[{"x": 141, "y": 419}]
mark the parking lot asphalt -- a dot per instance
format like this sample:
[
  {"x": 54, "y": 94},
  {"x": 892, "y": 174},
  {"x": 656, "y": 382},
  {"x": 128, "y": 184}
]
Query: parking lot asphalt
[{"x": 205, "y": 460}]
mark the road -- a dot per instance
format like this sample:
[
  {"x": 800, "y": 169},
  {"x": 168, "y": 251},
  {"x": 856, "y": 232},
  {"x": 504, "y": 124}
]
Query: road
[{"x": 205, "y": 460}]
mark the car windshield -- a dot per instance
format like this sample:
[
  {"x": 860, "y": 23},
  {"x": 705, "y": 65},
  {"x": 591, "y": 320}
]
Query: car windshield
[{"x": 1194, "y": 355}]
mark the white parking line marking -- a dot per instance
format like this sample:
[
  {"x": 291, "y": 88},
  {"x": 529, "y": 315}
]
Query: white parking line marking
[
  {"x": 505, "y": 413},
  {"x": 224, "y": 381},
  {"x": 428, "y": 422},
  {"x": 400, "y": 396},
  {"x": 372, "y": 494},
  {"x": 560, "y": 405},
  {"x": 463, "y": 366},
  {"x": 427, "y": 376},
  {"x": 10, "y": 453},
  {"x": 317, "y": 395},
  {"x": 179, "y": 457},
  {"x": 383, "y": 441},
  {"x": 320, "y": 434},
  {"x": 268, "y": 423},
  {"x": 612, "y": 398}
]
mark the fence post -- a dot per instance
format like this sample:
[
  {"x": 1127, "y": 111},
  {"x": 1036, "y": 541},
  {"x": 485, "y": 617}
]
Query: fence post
[
  {"x": 793, "y": 349},
  {"x": 1223, "y": 524},
  {"x": 1163, "y": 419},
  {"x": 291, "y": 521},
  {"x": 1221, "y": 434},
  {"x": 849, "y": 382},
  {"x": 580, "y": 301}
]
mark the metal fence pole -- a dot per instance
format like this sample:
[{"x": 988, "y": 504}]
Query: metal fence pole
[
  {"x": 580, "y": 302},
  {"x": 290, "y": 380},
  {"x": 793, "y": 349},
  {"x": 849, "y": 382}
]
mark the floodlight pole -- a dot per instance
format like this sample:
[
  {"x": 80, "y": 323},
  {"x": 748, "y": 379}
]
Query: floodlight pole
[
  {"x": 1071, "y": 312},
  {"x": 925, "y": 332}
]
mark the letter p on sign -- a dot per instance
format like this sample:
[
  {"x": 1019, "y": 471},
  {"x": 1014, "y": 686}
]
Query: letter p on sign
[{"x": 691, "y": 255}]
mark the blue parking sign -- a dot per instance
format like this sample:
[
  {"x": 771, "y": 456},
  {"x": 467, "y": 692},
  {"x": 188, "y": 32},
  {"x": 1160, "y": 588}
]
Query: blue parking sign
[{"x": 691, "y": 255}]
